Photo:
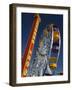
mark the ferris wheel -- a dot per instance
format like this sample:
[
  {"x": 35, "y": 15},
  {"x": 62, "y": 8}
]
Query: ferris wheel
[
  {"x": 55, "y": 44},
  {"x": 51, "y": 40}
]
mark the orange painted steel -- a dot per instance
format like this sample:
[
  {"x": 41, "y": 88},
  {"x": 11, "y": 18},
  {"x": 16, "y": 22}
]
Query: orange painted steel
[{"x": 30, "y": 45}]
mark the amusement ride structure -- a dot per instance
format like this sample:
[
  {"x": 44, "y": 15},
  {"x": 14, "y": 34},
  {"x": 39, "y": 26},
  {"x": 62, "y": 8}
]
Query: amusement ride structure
[{"x": 48, "y": 51}]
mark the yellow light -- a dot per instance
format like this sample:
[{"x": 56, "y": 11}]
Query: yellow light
[
  {"x": 27, "y": 63},
  {"x": 56, "y": 35},
  {"x": 29, "y": 57},
  {"x": 53, "y": 66},
  {"x": 34, "y": 33},
  {"x": 33, "y": 37},
  {"x": 32, "y": 41},
  {"x": 35, "y": 30},
  {"x": 25, "y": 72}
]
